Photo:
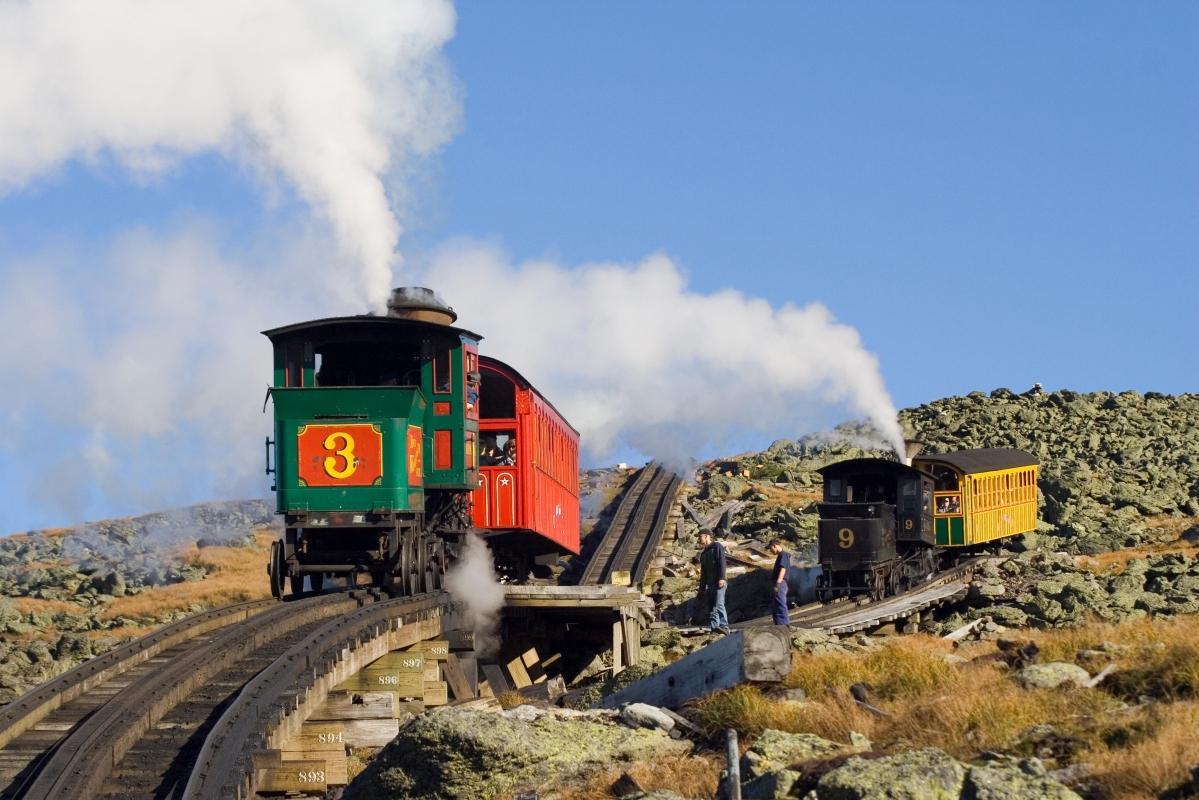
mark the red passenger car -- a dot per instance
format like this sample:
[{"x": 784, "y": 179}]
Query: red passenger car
[{"x": 528, "y": 467}]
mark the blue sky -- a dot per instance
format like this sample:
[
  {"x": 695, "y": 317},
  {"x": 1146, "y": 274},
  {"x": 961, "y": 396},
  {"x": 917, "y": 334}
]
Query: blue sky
[{"x": 991, "y": 195}]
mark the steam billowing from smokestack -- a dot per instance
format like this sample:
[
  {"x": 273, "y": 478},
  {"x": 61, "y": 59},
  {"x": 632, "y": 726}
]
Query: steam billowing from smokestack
[
  {"x": 331, "y": 97},
  {"x": 472, "y": 582},
  {"x": 633, "y": 357}
]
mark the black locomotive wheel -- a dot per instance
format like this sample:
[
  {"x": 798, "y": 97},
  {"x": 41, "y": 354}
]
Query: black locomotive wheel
[
  {"x": 297, "y": 584},
  {"x": 405, "y": 563},
  {"x": 419, "y": 564},
  {"x": 316, "y": 580},
  {"x": 275, "y": 569}
]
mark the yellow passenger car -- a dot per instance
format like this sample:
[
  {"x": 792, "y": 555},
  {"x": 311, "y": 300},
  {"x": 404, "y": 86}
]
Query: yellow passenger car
[{"x": 981, "y": 495}]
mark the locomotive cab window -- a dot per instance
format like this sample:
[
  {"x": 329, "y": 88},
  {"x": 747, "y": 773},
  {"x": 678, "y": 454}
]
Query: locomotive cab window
[
  {"x": 441, "y": 369},
  {"x": 367, "y": 363},
  {"x": 834, "y": 489}
]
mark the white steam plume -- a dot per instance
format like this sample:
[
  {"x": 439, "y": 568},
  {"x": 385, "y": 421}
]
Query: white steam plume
[
  {"x": 633, "y": 357},
  {"x": 331, "y": 97},
  {"x": 473, "y": 583}
]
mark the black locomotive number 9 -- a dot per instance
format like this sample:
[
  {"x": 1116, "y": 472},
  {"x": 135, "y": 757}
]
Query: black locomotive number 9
[{"x": 845, "y": 538}]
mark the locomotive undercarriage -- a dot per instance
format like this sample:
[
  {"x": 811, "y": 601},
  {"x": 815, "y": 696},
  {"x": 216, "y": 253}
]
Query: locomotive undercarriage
[
  {"x": 878, "y": 580},
  {"x": 397, "y": 552}
]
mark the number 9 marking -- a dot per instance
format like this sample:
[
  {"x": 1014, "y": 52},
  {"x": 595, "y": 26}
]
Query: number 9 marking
[
  {"x": 907, "y": 524},
  {"x": 346, "y": 452},
  {"x": 845, "y": 538}
]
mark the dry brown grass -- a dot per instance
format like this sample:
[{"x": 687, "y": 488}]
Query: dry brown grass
[
  {"x": 1155, "y": 764},
  {"x": 963, "y": 709},
  {"x": 1168, "y": 526},
  {"x": 235, "y": 574},
  {"x": 796, "y": 499},
  {"x": 36, "y": 605},
  {"x": 696, "y": 776},
  {"x": 509, "y": 699}
]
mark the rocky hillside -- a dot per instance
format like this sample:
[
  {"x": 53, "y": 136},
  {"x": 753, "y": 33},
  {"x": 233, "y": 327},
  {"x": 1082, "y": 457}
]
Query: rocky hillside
[{"x": 68, "y": 594}]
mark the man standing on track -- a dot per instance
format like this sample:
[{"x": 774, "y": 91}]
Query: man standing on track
[
  {"x": 778, "y": 578},
  {"x": 711, "y": 581}
]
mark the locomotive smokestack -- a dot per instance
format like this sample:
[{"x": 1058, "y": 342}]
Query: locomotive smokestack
[
  {"x": 419, "y": 303},
  {"x": 911, "y": 449}
]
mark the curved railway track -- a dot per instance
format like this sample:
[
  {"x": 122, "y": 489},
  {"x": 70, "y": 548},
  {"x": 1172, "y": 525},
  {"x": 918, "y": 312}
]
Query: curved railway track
[
  {"x": 629, "y": 543},
  {"x": 134, "y": 722}
]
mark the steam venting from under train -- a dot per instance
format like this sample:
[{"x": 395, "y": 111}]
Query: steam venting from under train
[
  {"x": 473, "y": 583},
  {"x": 635, "y": 358},
  {"x": 335, "y": 99}
]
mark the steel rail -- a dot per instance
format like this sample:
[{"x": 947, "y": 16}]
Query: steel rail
[
  {"x": 82, "y": 762},
  {"x": 637, "y": 556},
  {"x": 636, "y": 528},
  {"x": 27, "y": 710},
  {"x": 598, "y": 566},
  {"x": 224, "y": 768}
]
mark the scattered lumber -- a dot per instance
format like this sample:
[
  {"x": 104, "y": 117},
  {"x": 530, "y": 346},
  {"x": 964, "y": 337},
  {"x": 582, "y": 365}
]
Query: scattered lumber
[{"x": 753, "y": 654}]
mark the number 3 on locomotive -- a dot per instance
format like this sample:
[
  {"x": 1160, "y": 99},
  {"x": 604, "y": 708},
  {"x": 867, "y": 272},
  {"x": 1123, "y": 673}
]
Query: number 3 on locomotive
[
  {"x": 845, "y": 538},
  {"x": 346, "y": 452},
  {"x": 339, "y": 455}
]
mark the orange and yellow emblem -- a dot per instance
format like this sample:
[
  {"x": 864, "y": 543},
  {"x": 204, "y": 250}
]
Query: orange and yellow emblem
[{"x": 339, "y": 455}]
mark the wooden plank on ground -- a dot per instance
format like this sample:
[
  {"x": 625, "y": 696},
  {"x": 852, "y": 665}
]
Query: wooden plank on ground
[
  {"x": 460, "y": 639},
  {"x": 618, "y": 661},
  {"x": 356, "y": 705},
  {"x": 309, "y": 776},
  {"x": 402, "y": 683},
  {"x": 316, "y": 740},
  {"x": 759, "y": 654},
  {"x": 371, "y": 732},
  {"x": 516, "y": 670},
  {"x": 495, "y": 679},
  {"x": 470, "y": 668},
  {"x": 436, "y": 693},
  {"x": 456, "y": 679},
  {"x": 432, "y": 649}
]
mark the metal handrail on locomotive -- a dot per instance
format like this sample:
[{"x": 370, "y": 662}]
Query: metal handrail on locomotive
[
  {"x": 379, "y": 422},
  {"x": 886, "y": 527}
]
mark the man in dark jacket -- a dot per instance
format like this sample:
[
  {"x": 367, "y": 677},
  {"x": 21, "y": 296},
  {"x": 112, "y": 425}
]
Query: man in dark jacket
[
  {"x": 711, "y": 581},
  {"x": 778, "y": 581}
]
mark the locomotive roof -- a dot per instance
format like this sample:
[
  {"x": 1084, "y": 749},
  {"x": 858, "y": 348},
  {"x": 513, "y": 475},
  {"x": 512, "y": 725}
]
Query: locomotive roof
[
  {"x": 884, "y": 466},
  {"x": 987, "y": 459},
  {"x": 397, "y": 323}
]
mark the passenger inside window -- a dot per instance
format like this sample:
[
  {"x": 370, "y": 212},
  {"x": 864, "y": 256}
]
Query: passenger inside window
[{"x": 497, "y": 449}]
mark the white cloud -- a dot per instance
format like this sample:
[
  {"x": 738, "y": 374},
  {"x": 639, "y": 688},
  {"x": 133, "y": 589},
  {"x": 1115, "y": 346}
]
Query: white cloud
[
  {"x": 634, "y": 357},
  {"x": 331, "y": 97}
]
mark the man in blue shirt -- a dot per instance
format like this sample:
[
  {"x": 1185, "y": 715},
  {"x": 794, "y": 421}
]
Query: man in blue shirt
[
  {"x": 778, "y": 578},
  {"x": 711, "y": 581}
]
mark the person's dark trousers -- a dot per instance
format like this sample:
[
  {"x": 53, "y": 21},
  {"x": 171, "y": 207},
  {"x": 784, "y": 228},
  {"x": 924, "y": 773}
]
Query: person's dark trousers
[{"x": 779, "y": 606}]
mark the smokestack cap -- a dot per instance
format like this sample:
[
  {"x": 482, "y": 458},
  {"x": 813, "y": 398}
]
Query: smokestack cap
[
  {"x": 912, "y": 448},
  {"x": 419, "y": 303}
]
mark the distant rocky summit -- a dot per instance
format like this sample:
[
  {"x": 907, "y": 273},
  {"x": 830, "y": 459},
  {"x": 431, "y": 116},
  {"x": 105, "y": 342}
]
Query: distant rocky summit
[{"x": 57, "y": 586}]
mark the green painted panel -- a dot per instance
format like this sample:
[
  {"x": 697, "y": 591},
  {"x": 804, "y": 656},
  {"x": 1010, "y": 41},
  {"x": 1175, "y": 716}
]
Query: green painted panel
[
  {"x": 392, "y": 409},
  {"x": 941, "y": 525},
  {"x": 957, "y": 531}
]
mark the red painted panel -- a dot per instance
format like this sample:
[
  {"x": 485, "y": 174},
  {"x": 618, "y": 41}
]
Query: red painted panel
[
  {"x": 441, "y": 409},
  {"x": 339, "y": 455},
  {"x": 442, "y": 452}
]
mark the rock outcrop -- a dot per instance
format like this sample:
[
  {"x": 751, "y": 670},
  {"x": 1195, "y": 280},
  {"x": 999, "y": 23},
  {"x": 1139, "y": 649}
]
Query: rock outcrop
[{"x": 455, "y": 754}]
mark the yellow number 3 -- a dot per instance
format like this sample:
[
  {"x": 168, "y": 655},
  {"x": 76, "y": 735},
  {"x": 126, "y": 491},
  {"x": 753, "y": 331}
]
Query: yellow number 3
[
  {"x": 845, "y": 538},
  {"x": 346, "y": 452}
]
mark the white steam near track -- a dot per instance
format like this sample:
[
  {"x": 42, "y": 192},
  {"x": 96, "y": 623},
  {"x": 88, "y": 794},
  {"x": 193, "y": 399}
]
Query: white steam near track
[
  {"x": 331, "y": 97},
  {"x": 473, "y": 583},
  {"x": 634, "y": 357}
]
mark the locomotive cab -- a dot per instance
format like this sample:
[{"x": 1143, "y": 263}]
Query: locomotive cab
[{"x": 875, "y": 522}]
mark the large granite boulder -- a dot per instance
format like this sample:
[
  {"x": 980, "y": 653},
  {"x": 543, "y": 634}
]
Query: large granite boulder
[
  {"x": 932, "y": 774},
  {"x": 453, "y": 754}
]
